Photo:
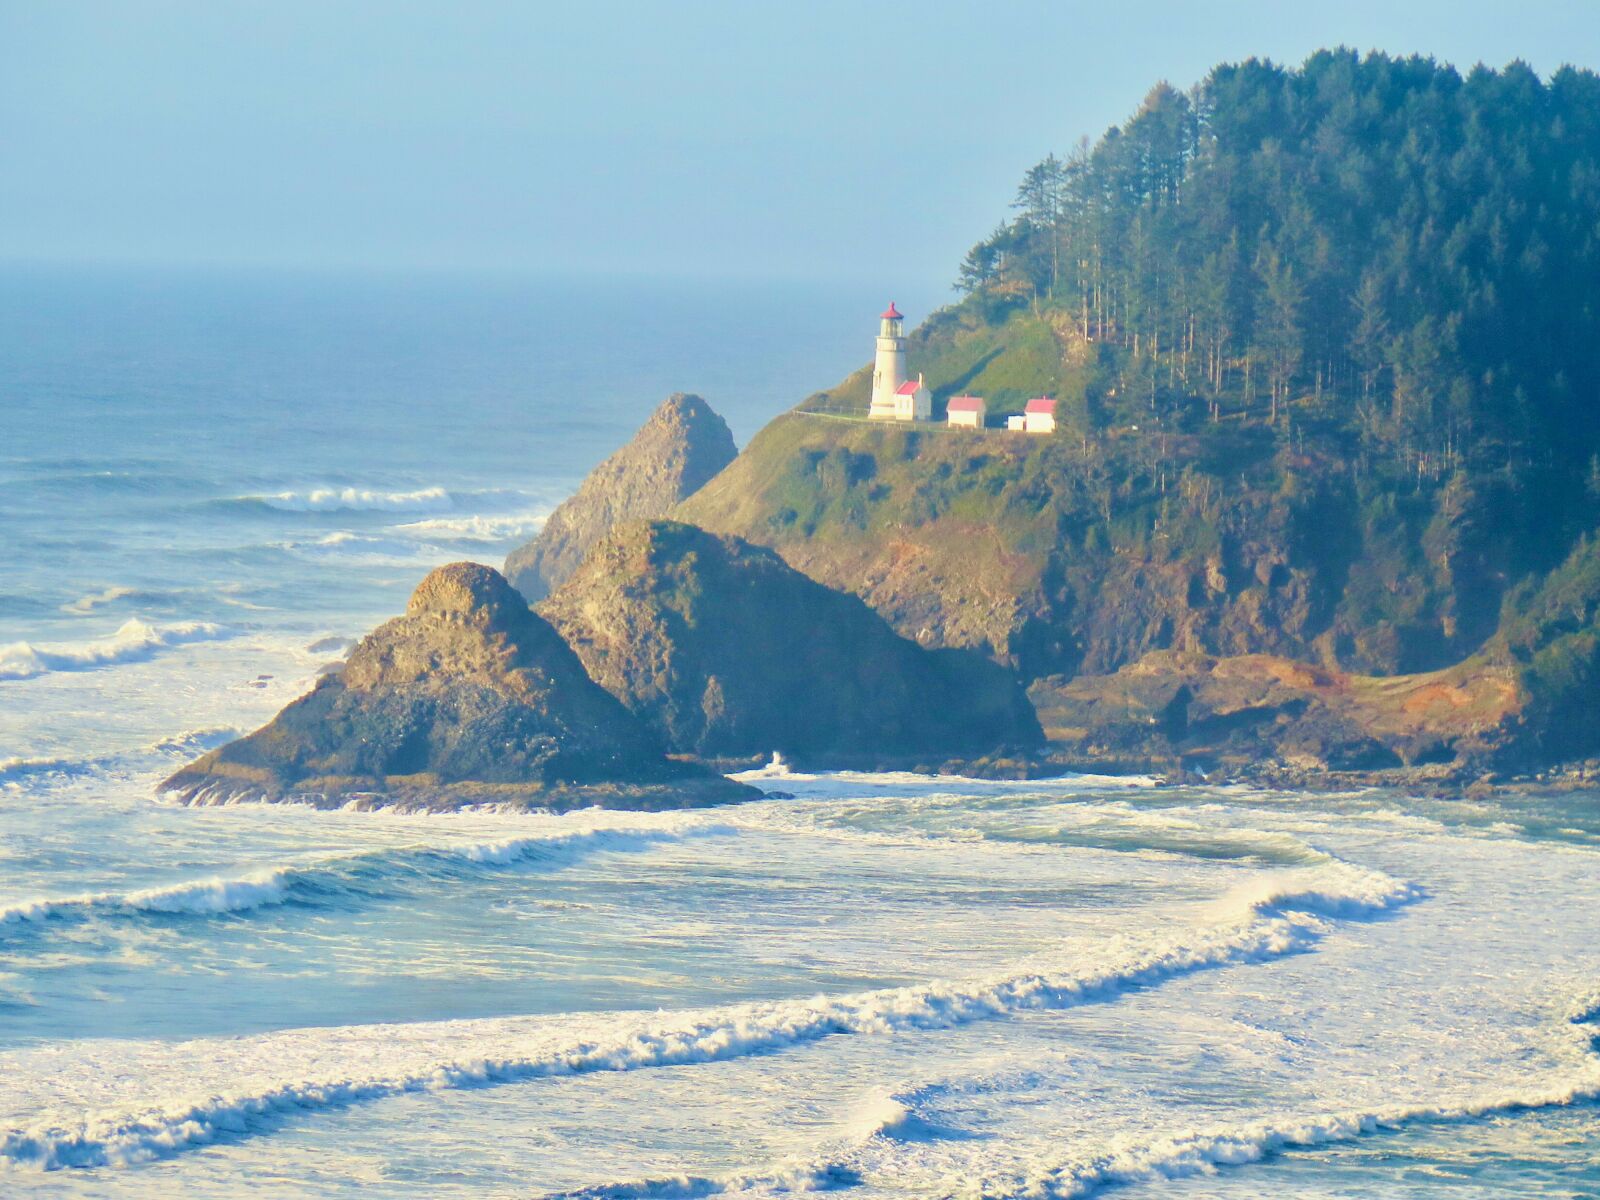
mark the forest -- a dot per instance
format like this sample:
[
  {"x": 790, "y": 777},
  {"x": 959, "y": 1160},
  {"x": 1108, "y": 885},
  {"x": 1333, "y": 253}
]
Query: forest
[{"x": 1381, "y": 250}]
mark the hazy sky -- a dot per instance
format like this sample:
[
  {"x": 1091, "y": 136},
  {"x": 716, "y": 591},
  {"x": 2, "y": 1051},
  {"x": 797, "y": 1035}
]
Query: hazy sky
[{"x": 864, "y": 139}]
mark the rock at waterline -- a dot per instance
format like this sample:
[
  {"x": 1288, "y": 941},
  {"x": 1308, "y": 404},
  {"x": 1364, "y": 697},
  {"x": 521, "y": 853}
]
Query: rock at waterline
[
  {"x": 725, "y": 650},
  {"x": 468, "y": 698}
]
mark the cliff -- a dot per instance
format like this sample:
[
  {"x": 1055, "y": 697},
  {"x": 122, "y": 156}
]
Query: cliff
[
  {"x": 468, "y": 697},
  {"x": 726, "y": 651},
  {"x": 681, "y": 446},
  {"x": 1260, "y": 714},
  {"x": 1216, "y": 597}
]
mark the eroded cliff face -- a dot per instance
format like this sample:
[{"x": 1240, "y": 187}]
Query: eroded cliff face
[
  {"x": 467, "y": 697},
  {"x": 682, "y": 446},
  {"x": 727, "y": 651},
  {"x": 1059, "y": 555},
  {"x": 1260, "y": 713}
]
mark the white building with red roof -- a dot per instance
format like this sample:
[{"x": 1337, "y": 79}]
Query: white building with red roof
[
  {"x": 912, "y": 402},
  {"x": 966, "y": 412},
  {"x": 1039, "y": 415}
]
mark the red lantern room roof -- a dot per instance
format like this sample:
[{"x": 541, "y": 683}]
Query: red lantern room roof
[{"x": 891, "y": 313}]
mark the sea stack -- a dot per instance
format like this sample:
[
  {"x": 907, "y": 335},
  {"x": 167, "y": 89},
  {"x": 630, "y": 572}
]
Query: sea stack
[
  {"x": 726, "y": 651},
  {"x": 674, "y": 454},
  {"x": 469, "y": 697}
]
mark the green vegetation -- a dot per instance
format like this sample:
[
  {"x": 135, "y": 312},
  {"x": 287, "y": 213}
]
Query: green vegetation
[
  {"x": 1327, "y": 352},
  {"x": 1552, "y": 632},
  {"x": 1392, "y": 249}
]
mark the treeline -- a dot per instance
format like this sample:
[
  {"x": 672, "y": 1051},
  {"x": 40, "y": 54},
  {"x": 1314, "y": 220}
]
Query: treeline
[{"x": 1381, "y": 245}]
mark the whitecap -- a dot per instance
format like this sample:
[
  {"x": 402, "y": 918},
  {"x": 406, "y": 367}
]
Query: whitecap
[
  {"x": 135, "y": 641},
  {"x": 476, "y": 528},
  {"x": 349, "y": 499},
  {"x": 339, "y": 874},
  {"x": 21, "y": 766}
]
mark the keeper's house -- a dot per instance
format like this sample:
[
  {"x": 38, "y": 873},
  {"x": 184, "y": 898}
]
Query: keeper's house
[
  {"x": 966, "y": 412},
  {"x": 1039, "y": 415}
]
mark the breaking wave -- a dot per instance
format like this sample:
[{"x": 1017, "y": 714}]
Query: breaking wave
[
  {"x": 800, "y": 1179},
  {"x": 433, "y": 499},
  {"x": 192, "y": 742},
  {"x": 349, "y": 547},
  {"x": 136, "y": 641},
  {"x": 323, "y": 880},
  {"x": 187, "y": 744},
  {"x": 474, "y": 528},
  {"x": 110, "y": 595},
  {"x": 20, "y": 767},
  {"x": 394, "y": 1060},
  {"x": 1202, "y": 1153},
  {"x": 894, "y": 1118}
]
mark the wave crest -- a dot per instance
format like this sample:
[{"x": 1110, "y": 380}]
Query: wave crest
[
  {"x": 475, "y": 528},
  {"x": 400, "y": 1060},
  {"x": 135, "y": 641},
  {"x": 349, "y": 499},
  {"x": 321, "y": 879}
]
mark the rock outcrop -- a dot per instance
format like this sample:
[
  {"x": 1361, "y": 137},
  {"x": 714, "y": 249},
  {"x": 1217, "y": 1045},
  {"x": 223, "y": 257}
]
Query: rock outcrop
[
  {"x": 681, "y": 446},
  {"x": 727, "y": 651},
  {"x": 1260, "y": 715},
  {"x": 469, "y": 697}
]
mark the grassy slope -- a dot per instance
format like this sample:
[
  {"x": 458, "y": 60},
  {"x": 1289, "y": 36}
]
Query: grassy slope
[
  {"x": 960, "y": 350},
  {"x": 938, "y": 528}
]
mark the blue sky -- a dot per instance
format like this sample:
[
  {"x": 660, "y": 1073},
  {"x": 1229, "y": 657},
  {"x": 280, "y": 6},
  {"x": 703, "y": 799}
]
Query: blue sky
[{"x": 800, "y": 140}]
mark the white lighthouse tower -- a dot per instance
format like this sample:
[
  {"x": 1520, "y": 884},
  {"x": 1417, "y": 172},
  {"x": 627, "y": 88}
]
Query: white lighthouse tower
[{"x": 889, "y": 370}]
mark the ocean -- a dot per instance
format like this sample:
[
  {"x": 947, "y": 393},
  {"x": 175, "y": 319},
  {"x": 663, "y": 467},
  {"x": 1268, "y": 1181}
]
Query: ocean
[{"x": 886, "y": 986}]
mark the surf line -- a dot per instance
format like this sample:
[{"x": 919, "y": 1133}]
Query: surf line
[
  {"x": 1182, "y": 1156},
  {"x": 359, "y": 874},
  {"x": 1278, "y": 919}
]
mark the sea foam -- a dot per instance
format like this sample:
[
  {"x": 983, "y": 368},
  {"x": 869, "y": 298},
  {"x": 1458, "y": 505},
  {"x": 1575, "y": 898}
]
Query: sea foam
[
  {"x": 1204, "y": 1152},
  {"x": 17, "y": 768},
  {"x": 890, "y": 1118},
  {"x": 384, "y": 1061}
]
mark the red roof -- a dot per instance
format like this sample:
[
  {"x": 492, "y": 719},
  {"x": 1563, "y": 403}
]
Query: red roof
[
  {"x": 964, "y": 404},
  {"x": 908, "y": 388},
  {"x": 1041, "y": 404},
  {"x": 891, "y": 313}
]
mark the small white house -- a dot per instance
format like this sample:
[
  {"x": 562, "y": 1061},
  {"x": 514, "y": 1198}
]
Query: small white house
[
  {"x": 913, "y": 401},
  {"x": 1039, "y": 415},
  {"x": 1017, "y": 424},
  {"x": 966, "y": 412}
]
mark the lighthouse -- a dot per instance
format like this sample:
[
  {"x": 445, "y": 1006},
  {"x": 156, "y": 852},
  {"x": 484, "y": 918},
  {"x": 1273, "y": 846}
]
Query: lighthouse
[
  {"x": 894, "y": 397},
  {"x": 889, "y": 370}
]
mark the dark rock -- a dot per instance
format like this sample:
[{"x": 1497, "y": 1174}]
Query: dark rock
[
  {"x": 468, "y": 697},
  {"x": 675, "y": 452},
  {"x": 725, "y": 650}
]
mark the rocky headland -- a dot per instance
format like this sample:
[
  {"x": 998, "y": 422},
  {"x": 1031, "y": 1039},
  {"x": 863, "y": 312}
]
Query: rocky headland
[
  {"x": 1318, "y": 497},
  {"x": 728, "y": 652},
  {"x": 682, "y": 446},
  {"x": 467, "y": 698}
]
